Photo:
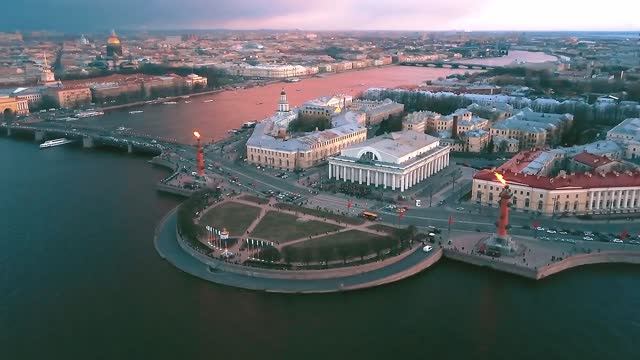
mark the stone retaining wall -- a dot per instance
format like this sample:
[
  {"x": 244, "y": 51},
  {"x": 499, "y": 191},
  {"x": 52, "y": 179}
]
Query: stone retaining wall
[
  {"x": 292, "y": 274},
  {"x": 491, "y": 263},
  {"x": 624, "y": 257}
]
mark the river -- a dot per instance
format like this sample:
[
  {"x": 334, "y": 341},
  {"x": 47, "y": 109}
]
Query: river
[{"x": 80, "y": 278}]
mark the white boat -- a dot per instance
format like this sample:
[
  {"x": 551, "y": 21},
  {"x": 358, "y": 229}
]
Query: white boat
[
  {"x": 169, "y": 102},
  {"x": 136, "y": 112},
  {"x": 292, "y": 80},
  {"x": 188, "y": 102},
  {"x": 56, "y": 142},
  {"x": 208, "y": 101}
]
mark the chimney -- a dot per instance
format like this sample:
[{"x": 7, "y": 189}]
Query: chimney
[{"x": 454, "y": 129}]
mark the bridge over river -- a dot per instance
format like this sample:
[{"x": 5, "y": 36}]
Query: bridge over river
[{"x": 451, "y": 65}]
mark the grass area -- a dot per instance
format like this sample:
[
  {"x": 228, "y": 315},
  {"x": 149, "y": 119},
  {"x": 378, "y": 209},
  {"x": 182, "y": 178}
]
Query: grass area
[
  {"x": 235, "y": 217},
  {"x": 255, "y": 199},
  {"x": 383, "y": 228},
  {"x": 341, "y": 246},
  {"x": 322, "y": 214},
  {"x": 286, "y": 227}
]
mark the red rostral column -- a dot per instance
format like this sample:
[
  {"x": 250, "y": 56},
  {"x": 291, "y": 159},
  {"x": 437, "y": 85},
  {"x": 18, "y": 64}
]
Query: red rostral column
[
  {"x": 199, "y": 155},
  {"x": 505, "y": 196}
]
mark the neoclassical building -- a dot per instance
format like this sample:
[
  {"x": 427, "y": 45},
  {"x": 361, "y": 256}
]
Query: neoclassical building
[{"x": 398, "y": 160}]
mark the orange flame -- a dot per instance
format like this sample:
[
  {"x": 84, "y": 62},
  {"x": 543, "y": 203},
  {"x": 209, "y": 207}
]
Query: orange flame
[
  {"x": 196, "y": 134},
  {"x": 500, "y": 178}
]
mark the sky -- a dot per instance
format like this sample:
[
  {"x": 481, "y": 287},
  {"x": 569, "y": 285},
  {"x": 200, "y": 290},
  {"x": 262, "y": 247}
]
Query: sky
[{"x": 472, "y": 15}]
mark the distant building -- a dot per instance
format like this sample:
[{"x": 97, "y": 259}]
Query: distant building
[
  {"x": 114, "y": 46},
  {"x": 325, "y": 107},
  {"x": 192, "y": 80},
  {"x": 398, "y": 160}
]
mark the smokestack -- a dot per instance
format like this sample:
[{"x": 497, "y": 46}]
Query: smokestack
[{"x": 454, "y": 129}]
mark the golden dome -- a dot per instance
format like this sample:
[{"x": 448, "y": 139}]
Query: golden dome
[{"x": 113, "y": 40}]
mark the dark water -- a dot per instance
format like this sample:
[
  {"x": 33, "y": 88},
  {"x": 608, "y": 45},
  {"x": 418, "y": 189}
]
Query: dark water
[{"x": 80, "y": 279}]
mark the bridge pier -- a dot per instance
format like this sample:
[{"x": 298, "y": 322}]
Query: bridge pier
[
  {"x": 8, "y": 131},
  {"x": 87, "y": 142},
  {"x": 129, "y": 148},
  {"x": 39, "y": 136}
]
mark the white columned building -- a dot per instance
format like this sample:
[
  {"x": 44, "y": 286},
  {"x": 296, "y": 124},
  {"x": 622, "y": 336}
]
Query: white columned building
[{"x": 398, "y": 160}]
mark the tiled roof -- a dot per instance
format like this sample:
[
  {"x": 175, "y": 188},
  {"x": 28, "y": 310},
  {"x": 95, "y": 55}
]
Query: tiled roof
[
  {"x": 572, "y": 181},
  {"x": 591, "y": 159}
]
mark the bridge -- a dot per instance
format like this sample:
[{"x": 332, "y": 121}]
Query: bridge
[
  {"x": 91, "y": 137},
  {"x": 452, "y": 65}
]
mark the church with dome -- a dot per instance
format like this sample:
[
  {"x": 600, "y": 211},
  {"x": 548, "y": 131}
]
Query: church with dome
[{"x": 114, "y": 46}]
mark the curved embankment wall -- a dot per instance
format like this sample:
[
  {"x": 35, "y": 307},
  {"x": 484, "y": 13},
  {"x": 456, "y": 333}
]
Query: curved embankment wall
[
  {"x": 624, "y": 257},
  {"x": 291, "y": 274}
]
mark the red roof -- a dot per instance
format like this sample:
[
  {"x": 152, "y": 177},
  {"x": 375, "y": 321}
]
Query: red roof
[
  {"x": 577, "y": 181},
  {"x": 591, "y": 159}
]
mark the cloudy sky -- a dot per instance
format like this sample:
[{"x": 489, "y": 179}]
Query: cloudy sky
[{"x": 87, "y": 15}]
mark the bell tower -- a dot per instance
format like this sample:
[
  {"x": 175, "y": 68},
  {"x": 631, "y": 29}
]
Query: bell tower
[{"x": 283, "y": 104}]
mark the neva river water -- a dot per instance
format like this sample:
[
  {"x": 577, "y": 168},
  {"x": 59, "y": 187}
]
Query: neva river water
[{"x": 80, "y": 278}]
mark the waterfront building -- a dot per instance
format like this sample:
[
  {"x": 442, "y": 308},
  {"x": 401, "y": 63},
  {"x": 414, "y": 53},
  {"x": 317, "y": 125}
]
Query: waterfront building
[
  {"x": 12, "y": 105},
  {"x": 538, "y": 185},
  {"x": 272, "y": 145},
  {"x": 192, "y": 80},
  {"x": 627, "y": 135},
  {"x": 398, "y": 160},
  {"x": 70, "y": 97},
  {"x": 326, "y": 106},
  {"x": 271, "y": 71}
]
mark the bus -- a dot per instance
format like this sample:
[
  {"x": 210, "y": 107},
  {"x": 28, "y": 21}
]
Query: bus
[{"x": 369, "y": 215}]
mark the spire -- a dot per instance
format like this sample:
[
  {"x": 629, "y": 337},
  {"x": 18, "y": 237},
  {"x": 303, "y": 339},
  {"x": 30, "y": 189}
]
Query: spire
[{"x": 45, "y": 59}]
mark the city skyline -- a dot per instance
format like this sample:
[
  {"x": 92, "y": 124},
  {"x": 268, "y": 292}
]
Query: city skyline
[{"x": 412, "y": 15}]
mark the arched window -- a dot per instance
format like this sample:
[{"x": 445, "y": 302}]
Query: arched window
[{"x": 368, "y": 157}]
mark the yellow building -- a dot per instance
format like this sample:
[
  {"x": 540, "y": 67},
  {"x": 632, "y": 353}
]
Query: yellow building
[
  {"x": 12, "y": 105},
  {"x": 71, "y": 97}
]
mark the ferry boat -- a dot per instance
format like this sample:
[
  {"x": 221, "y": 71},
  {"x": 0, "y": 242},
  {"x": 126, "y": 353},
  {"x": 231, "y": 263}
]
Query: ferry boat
[
  {"x": 86, "y": 114},
  {"x": 169, "y": 102},
  {"x": 136, "y": 112},
  {"x": 56, "y": 142}
]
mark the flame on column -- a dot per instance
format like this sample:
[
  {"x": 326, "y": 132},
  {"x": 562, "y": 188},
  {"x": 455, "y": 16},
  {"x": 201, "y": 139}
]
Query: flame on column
[
  {"x": 196, "y": 134},
  {"x": 500, "y": 178}
]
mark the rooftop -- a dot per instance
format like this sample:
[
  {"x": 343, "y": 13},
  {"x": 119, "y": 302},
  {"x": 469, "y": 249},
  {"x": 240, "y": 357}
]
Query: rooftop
[
  {"x": 592, "y": 160},
  {"x": 566, "y": 182}
]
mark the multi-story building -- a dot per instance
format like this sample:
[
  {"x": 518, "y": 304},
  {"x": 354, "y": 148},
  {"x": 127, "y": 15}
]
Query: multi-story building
[
  {"x": 377, "y": 111},
  {"x": 533, "y": 129},
  {"x": 13, "y": 106},
  {"x": 536, "y": 189},
  {"x": 627, "y": 134},
  {"x": 271, "y": 145},
  {"x": 192, "y": 80},
  {"x": 70, "y": 97},
  {"x": 325, "y": 107},
  {"x": 397, "y": 160},
  {"x": 419, "y": 120}
]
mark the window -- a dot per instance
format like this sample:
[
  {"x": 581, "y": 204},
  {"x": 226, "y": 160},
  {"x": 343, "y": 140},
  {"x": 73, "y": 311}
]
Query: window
[
  {"x": 540, "y": 205},
  {"x": 526, "y": 202},
  {"x": 540, "y": 196},
  {"x": 490, "y": 196}
]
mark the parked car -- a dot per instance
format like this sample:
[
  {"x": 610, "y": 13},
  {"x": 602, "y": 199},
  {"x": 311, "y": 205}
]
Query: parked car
[{"x": 427, "y": 248}]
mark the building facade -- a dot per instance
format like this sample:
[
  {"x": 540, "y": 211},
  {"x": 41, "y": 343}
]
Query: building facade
[
  {"x": 70, "y": 97},
  {"x": 397, "y": 161},
  {"x": 627, "y": 135},
  {"x": 13, "y": 106}
]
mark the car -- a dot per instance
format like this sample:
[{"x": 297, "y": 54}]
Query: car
[
  {"x": 588, "y": 238},
  {"x": 616, "y": 240},
  {"x": 460, "y": 208},
  {"x": 588, "y": 233},
  {"x": 539, "y": 228},
  {"x": 427, "y": 248},
  {"x": 551, "y": 231},
  {"x": 635, "y": 242},
  {"x": 563, "y": 232}
]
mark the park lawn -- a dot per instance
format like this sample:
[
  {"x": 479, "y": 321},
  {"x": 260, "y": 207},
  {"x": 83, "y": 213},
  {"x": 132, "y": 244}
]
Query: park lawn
[
  {"x": 348, "y": 244},
  {"x": 282, "y": 227},
  {"x": 233, "y": 216},
  {"x": 383, "y": 228},
  {"x": 255, "y": 199}
]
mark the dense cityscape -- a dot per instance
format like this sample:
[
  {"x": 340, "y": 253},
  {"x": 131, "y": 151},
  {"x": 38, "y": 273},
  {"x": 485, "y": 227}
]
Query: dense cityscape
[{"x": 291, "y": 187}]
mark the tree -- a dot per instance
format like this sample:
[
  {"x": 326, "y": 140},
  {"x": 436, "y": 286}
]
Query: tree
[{"x": 490, "y": 146}]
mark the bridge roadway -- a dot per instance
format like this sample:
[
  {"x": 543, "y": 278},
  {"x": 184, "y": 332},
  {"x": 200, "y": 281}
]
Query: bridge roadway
[
  {"x": 92, "y": 137},
  {"x": 452, "y": 65}
]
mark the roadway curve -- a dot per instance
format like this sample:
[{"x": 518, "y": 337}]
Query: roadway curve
[{"x": 167, "y": 245}]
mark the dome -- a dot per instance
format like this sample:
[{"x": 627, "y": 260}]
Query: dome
[{"x": 113, "y": 40}]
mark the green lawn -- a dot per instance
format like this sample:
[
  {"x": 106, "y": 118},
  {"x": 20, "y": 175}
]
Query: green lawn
[
  {"x": 348, "y": 244},
  {"x": 255, "y": 199},
  {"x": 383, "y": 228},
  {"x": 235, "y": 217},
  {"x": 285, "y": 227}
]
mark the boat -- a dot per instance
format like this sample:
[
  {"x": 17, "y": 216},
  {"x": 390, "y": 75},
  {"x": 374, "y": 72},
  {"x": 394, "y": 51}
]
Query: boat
[
  {"x": 122, "y": 128},
  {"x": 188, "y": 102},
  {"x": 259, "y": 103},
  {"x": 169, "y": 102},
  {"x": 208, "y": 101},
  {"x": 136, "y": 112},
  {"x": 85, "y": 114},
  {"x": 56, "y": 142},
  {"x": 292, "y": 80}
]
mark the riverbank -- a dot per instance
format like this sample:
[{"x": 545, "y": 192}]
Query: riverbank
[{"x": 180, "y": 255}]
